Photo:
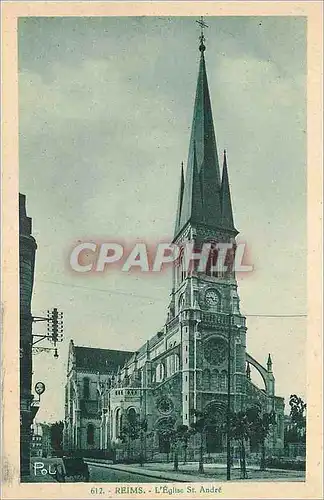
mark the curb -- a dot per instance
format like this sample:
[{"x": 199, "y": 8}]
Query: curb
[
  {"x": 161, "y": 475},
  {"x": 156, "y": 475}
]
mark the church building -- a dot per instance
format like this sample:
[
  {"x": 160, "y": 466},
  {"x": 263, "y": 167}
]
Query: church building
[{"x": 188, "y": 364}]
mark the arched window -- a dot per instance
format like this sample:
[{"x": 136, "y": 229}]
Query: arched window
[
  {"x": 180, "y": 302},
  {"x": 159, "y": 372},
  {"x": 90, "y": 434},
  {"x": 211, "y": 267},
  {"x": 215, "y": 380},
  {"x": 86, "y": 388},
  {"x": 176, "y": 363},
  {"x": 223, "y": 380},
  {"x": 206, "y": 379},
  {"x": 183, "y": 269},
  {"x": 172, "y": 364},
  {"x": 118, "y": 422},
  {"x": 131, "y": 415},
  {"x": 236, "y": 305}
]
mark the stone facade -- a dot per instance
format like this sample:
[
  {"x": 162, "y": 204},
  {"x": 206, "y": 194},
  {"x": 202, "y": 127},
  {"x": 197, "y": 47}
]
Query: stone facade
[
  {"x": 27, "y": 249},
  {"x": 89, "y": 371}
]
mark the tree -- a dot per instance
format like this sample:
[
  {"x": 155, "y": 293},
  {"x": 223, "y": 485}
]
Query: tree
[
  {"x": 298, "y": 414},
  {"x": 240, "y": 430},
  {"x": 185, "y": 441},
  {"x": 180, "y": 436},
  {"x": 203, "y": 423},
  {"x": 166, "y": 433},
  {"x": 260, "y": 425},
  {"x": 143, "y": 434},
  {"x": 296, "y": 432},
  {"x": 56, "y": 435},
  {"x": 130, "y": 430}
]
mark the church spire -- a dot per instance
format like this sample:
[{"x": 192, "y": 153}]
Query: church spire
[
  {"x": 225, "y": 195},
  {"x": 192, "y": 204},
  {"x": 203, "y": 175},
  {"x": 180, "y": 197}
]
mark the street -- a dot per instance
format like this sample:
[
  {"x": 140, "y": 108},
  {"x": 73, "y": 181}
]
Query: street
[
  {"x": 42, "y": 471},
  {"x": 101, "y": 474}
]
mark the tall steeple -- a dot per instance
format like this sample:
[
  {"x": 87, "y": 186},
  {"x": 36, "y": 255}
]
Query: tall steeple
[
  {"x": 225, "y": 196},
  {"x": 202, "y": 191},
  {"x": 180, "y": 197}
]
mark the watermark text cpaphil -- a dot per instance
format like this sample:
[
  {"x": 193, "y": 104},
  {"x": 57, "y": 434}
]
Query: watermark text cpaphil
[{"x": 211, "y": 258}]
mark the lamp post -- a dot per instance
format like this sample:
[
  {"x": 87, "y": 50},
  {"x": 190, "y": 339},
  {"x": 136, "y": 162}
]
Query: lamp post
[{"x": 228, "y": 412}]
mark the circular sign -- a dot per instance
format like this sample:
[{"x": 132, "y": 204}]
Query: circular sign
[{"x": 39, "y": 388}]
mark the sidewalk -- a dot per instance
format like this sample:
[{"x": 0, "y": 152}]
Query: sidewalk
[
  {"x": 167, "y": 475},
  {"x": 38, "y": 479},
  {"x": 189, "y": 472}
]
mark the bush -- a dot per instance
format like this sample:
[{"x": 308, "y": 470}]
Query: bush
[
  {"x": 285, "y": 463},
  {"x": 130, "y": 460},
  {"x": 99, "y": 454}
]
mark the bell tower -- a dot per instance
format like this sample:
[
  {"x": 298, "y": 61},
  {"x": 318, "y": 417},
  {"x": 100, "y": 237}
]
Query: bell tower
[{"x": 204, "y": 292}]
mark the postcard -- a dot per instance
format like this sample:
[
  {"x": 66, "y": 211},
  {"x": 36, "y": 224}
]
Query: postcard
[{"x": 161, "y": 250}]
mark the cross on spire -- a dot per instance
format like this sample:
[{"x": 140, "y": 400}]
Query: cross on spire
[
  {"x": 204, "y": 195},
  {"x": 202, "y": 25}
]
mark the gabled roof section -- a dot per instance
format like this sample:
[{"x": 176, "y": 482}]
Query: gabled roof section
[{"x": 93, "y": 359}]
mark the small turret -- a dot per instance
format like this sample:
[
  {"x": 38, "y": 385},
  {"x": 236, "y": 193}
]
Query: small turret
[
  {"x": 269, "y": 364},
  {"x": 248, "y": 371}
]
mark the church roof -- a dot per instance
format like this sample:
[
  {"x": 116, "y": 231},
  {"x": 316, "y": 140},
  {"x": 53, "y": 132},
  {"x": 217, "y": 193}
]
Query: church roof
[
  {"x": 94, "y": 359},
  {"x": 204, "y": 197}
]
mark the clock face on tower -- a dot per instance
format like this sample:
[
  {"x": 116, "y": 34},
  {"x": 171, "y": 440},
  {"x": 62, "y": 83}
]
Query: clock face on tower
[{"x": 211, "y": 298}]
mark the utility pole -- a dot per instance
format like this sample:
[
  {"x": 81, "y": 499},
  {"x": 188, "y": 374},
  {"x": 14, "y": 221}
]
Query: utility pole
[{"x": 54, "y": 320}]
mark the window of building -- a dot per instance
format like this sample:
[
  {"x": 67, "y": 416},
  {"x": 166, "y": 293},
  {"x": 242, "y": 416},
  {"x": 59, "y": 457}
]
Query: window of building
[
  {"x": 223, "y": 380},
  {"x": 215, "y": 380},
  {"x": 172, "y": 364},
  {"x": 176, "y": 363},
  {"x": 206, "y": 379},
  {"x": 118, "y": 422},
  {"x": 159, "y": 372},
  {"x": 86, "y": 388},
  {"x": 181, "y": 302},
  {"x": 90, "y": 434},
  {"x": 131, "y": 415}
]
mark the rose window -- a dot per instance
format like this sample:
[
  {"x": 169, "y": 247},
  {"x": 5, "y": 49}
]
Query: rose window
[
  {"x": 165, "y": 405},
  {"x": 215, "y": 351}
]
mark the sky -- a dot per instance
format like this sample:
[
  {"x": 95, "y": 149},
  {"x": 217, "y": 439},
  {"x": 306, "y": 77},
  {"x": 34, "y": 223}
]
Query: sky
[{"x": 105, "y": 110}]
